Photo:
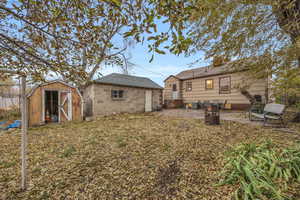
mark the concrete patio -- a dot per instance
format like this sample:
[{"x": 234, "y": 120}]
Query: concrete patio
[
  {"x": 237, "y": 116},
  {"x": 229, "y": 115}
]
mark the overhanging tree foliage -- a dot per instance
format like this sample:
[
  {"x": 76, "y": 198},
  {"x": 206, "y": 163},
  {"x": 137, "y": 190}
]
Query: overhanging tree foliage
[
  {"x": 266, "y": 31},
  {"x": 262, "y": 29},
  {"x": 72, "y": 38}
]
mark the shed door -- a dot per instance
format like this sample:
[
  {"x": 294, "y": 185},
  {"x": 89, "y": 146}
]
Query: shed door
[
  {"x": 148, "y": 101},
  {"x": 65, "y": 106}
]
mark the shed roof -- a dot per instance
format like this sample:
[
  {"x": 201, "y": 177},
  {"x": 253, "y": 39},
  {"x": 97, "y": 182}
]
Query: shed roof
[
  {"x": 51, "y": 82},
  {"x": 128, "y": 80}
]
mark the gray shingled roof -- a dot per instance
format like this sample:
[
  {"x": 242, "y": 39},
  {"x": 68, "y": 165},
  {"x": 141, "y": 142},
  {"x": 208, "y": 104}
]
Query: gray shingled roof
[
  {"x": 203, "y": 72},
  {"x": 210, "y": 70},
  {"x": 128, "y": 80}
]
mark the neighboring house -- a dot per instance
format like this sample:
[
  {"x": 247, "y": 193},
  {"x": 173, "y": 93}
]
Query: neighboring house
[
  {"x": 119, "y": 93},
  {"x": 214, "y": 84}
]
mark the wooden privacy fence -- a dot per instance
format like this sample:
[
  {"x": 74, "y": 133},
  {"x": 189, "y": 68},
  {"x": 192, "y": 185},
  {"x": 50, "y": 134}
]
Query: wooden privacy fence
[
  {"x": 9, "y": 102},
  {"x": 10, "y": 95}
]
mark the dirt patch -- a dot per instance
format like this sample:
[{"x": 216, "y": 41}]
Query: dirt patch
[{"x": 168, "y": 178}]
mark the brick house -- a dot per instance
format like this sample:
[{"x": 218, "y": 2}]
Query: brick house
[
  {"x": 119, "y": 93},
  {"x": 216, "y": 83}
]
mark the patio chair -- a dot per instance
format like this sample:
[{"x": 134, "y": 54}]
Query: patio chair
[
  {"x": 256, "y": 108},
  {"x": 271, "y": 111},
  {"x": 200, "y": 104},
  {"x": 222, "y": 104},
  {"x": 206, "y": 103}
]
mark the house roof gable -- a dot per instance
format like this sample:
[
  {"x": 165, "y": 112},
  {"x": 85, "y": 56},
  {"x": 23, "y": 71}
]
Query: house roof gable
[{"x": 171, "y": 76}]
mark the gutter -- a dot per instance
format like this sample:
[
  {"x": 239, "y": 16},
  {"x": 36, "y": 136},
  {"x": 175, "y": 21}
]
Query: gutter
[{"x": 161, "y": 88}]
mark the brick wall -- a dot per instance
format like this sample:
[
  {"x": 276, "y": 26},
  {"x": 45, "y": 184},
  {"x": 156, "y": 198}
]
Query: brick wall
[{"x": 133, "y": 101}]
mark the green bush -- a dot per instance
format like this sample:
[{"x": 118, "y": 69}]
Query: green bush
[
  {"x": 261, "y": 171},
  {"x": 297, "y": 105}
]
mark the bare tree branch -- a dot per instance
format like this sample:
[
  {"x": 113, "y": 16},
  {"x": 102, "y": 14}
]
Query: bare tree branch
[{"x": 25, "y": 50}]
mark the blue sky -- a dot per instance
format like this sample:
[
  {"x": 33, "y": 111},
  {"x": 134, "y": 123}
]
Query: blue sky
[{"x": 160, "y": 68}]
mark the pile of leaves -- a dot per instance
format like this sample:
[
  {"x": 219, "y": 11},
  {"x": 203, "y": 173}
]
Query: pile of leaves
[
  {"x": 262, "y": 171},
  {"x": 128, "y": 156}
]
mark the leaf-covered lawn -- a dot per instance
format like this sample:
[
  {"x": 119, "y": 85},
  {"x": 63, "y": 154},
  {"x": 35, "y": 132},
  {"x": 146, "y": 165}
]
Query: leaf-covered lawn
[{"x": 126, "y": 157}]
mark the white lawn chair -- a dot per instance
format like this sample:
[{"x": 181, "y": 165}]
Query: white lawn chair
[{"x": 272, "y": 111}]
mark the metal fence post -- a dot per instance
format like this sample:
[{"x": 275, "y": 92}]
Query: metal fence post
[{"x": 24, "y": 134}]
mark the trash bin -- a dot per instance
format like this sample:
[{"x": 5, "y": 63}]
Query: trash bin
[{"x": 212, "y": 114}]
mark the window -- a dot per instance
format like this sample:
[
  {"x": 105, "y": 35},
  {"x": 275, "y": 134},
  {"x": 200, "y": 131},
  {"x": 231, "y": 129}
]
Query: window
[
  {"x": 188, "y": 86},
  {"x": 225, "y": 85},
  {"x": 209, "y": 84},
  {"x": 174, "y": 87},
  {"x": 117, "y": 94}
]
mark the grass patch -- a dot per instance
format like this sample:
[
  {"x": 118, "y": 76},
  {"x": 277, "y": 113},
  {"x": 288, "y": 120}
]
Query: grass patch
[
  {"x": 7, "y": 164},
  {"x": 121, "y": 142},
  {"x": 69, "y": 151}
]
